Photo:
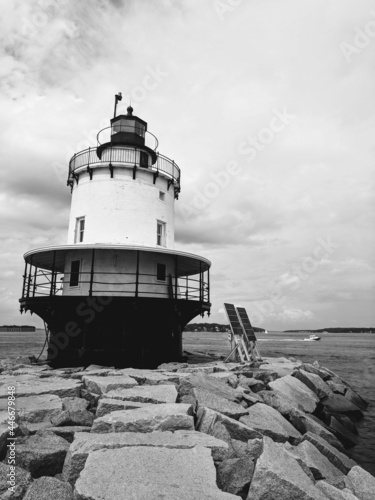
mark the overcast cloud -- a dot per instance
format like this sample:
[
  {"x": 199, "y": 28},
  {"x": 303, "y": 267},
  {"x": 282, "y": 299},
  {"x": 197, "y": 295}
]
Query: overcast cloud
[{"x": 266, "y": 105}]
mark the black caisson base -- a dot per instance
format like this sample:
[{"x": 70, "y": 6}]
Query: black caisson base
[{"x": 114, "y": 331}]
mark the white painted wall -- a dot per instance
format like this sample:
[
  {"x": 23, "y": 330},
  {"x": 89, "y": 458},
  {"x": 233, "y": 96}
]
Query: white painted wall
[
  {"x": 122, "y": 210},
  {"x": 117, "y": 262}
]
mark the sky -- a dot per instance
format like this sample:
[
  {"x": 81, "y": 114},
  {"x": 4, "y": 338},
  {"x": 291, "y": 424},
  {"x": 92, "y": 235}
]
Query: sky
[{"x": 268, "y": 108}]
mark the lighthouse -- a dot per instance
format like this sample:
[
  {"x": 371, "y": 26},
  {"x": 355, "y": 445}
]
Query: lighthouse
[{"x": 118, "y": 293}]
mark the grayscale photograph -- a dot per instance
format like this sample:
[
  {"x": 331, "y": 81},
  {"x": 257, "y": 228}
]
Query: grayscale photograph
[{"x": 187, "y": 271}]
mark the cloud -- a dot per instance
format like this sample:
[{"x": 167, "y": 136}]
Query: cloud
[
  {"x": 293, "y": 315},
  {"x": 62, "y": 62}
]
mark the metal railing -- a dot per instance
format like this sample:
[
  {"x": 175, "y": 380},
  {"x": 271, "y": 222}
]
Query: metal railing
[
  {"x": 38, "y": 283},
  {"x": 121, "y": 156}
]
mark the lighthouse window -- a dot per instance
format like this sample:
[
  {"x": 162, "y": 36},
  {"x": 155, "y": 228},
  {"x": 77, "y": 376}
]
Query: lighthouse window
[
  {"x": 161, "y": 196},
  {"x": 74, "y": 272},
  {"x": 160, "y": 272},
  {"x": 160, "y": 233},
  {"x": 80, "y": 229}
]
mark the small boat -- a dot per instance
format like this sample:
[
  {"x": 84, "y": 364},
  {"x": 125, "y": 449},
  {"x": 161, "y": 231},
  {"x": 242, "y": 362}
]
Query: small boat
[{"x": 313, "y": 337}]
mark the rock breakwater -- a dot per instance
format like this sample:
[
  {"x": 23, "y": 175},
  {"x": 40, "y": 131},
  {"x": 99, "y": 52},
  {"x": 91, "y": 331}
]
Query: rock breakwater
[{"x": 276, "y": 429}]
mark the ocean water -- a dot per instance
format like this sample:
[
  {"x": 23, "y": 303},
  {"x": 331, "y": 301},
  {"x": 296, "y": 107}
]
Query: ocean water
[{"x": 351, "y": 356}]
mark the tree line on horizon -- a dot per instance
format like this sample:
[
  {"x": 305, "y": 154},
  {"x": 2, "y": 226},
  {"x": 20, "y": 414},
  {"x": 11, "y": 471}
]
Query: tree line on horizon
[
  {"x": 337, "y": 330},
  {"x": 212, "y": 327}
]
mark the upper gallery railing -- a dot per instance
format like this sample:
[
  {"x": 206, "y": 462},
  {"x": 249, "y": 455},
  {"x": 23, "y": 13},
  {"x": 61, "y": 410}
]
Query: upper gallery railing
[{"x": 120, "y": 156}]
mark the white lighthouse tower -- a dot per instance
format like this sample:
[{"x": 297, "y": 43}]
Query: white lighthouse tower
[{"x": 118, "y": 293}]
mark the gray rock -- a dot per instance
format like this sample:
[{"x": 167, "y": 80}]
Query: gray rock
[
  {"x": 108, "y": 405},
  {"x": 282, "y": 369},
  {"x": 198, "y": 370},
  {"x": 316, "y": 371},
  {"x": 168, "y": 416},
  {"x": 356, "y": 399},
  {"x": 68, "y": 432},
  {"x": 305, "y": 422},
  {"x": 73, "y": 418},
  {"x": 18, "y": 484},
  {"x": 363, "y": 483},
  {"x": 42, "y": 454},
  {"x": 293, "y": 389},
  {"x": 225, "y": 428},
  {"x": 210, "y": 384},
  {"x": 83, "y": 445},
  {"x": 150, "y": 377},
  {"x": 155, "y": 394},
  {"x": 3, "y": 439},
  {"x": 90, "y": 397},
  {"x": 255, "y": 447},
  {"x": 314, "y": 382},
  {"x": 252, "y": 384},
  {"x": 239, "y": 449},
  {"x": 31, "y": 385},
  {"x": 143, "y": 472},
  {"x": 348, "y": 438},
  {"x": 48, "y": 488},
  {"x": 227, "y": 376},
  {"x": 278, "y": 476},
  {"x": 202, "y": 397},
  {"x": 172, "y": 366},
  {"x": 234, "y": 475},
  {"x": 74, "y": 404},
  {"x": 340, "y": 482},
  {"x": 338, "y": 459},
  {"x": 336, "y": 403},
  {"x": 318, "y": 464},
  {"x": 250, "y": 399},
  {"x": 99, "y": 368},
  {"x": 36, "y": 408},
  {"x": 32, "y": 428},
  {"x": 266, "y": 376},
  {"x": 102, "y": 385},
  {"x": 270, "y": 423},
  {"x": 337, "y": 387},
  {"x": 333, "y": 493},
  {"x": 282, "y": 404},
  {"x": 244, "y": 381}
]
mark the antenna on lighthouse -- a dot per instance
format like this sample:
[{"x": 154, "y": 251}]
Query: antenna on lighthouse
[{"x": 118, "y": 97}]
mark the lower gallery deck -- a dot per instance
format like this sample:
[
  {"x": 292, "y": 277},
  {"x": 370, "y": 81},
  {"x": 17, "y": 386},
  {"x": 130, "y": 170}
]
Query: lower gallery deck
[{"x": 122, "y": 307}]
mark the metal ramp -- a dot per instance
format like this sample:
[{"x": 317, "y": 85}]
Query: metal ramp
[
  {"x": 238, "y": 341},
  {"x": 250, "y": 337}
]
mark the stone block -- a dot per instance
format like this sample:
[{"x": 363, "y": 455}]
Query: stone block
[
  {"x": 269, "y": 422},
  {"x": 167, "y": 417},
  {"x": 144, "y": 472},
  {"x": 154, "y": 394},
  {"x": 314, "y": 382},
  {"x": 293, "y": 389},
  {"x": 22, "y": 481},
  {"x": 278, "y": 476},
  {"x": 42, "y": 454},
  {"x": 338, "y": 459},
  {"x": 102, "y": 385},
  {"x": 48, "y": 488},
  {"x": 363, "y": 483},
  {"x": 84, "y": 444},
  {"x": 318, "y": 464}
]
